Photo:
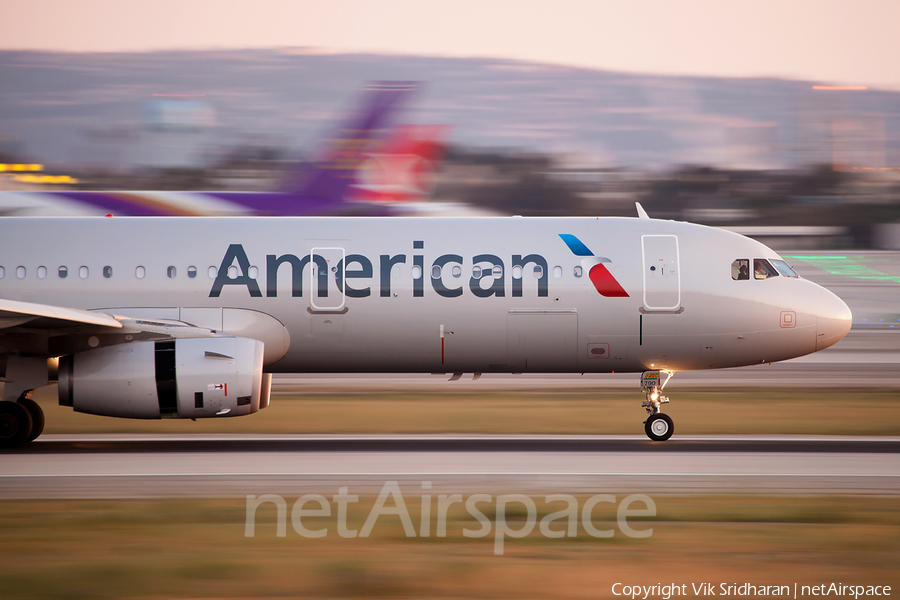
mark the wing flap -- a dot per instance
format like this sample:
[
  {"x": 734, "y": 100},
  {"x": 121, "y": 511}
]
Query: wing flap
[{"x": 165, "y": 327}]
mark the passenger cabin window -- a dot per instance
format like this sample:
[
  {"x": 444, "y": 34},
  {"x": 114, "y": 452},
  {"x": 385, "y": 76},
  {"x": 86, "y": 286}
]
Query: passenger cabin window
[
  {"x": 740, "y": 269},
  {"x": 557, "y": 272},
  {"x": 107, "y": 271},
  {"x": 63, "y": 272},
  {"x": 578, "y": 271},
  {"x": 2, "y": 272},
  {"x": 170, "y": 272},
  {"x": 762, "y": 269},
  {"x": 42, "y": 272},
  {"x": 213, "y": 272},
  {"x": 192, "y": 272},
  {"x": 83, "y": 272},
  {"x": 20, "y": 272},
  {"x": 538, "y": 271},
  {"x": 498, "y": 271},
  {"x": 476, "y": 272},
  {"x": 784, "y": 268},
  {"x": 457, "y": 271},
  {"x": 435, "y": 272},
  {"x": 139, "y": 272}
]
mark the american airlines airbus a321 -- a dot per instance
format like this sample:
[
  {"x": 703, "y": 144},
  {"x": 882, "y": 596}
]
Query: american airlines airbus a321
[{"x": 162, "y": 317}]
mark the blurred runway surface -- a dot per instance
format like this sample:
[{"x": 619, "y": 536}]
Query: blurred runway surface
[{"x": 118, "y": 466}]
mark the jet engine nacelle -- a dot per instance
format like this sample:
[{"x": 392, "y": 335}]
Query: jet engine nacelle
[{"x": 186, "y": 378}]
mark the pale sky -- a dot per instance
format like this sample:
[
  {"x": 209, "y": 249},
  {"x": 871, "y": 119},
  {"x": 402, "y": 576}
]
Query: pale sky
[{"x": 832, "y": 42}]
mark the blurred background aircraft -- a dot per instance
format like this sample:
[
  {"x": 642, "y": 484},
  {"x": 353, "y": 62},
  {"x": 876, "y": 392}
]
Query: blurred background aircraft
[{"x": 368, "y": 166}]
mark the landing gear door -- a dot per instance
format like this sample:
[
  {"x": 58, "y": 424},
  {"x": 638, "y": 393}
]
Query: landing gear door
[
  {"x": 326, "y": 280},
  {"x": 662, "y": 273}
]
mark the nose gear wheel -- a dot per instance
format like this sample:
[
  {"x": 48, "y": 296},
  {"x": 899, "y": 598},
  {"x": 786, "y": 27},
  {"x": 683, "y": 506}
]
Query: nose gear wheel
[{"x": 659, "y": 427}]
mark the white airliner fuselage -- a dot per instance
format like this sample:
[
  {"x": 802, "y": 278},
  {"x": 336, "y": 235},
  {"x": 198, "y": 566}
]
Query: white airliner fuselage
[{"x": 392, "y": 295}]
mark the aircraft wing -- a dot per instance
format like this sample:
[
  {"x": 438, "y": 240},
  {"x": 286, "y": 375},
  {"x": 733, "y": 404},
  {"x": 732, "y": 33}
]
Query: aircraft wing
[
  {"x": 14, "y": 313},
  {"x": 30, "y": 328}
]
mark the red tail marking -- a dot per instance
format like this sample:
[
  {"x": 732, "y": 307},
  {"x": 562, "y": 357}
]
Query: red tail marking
[{"x": 402, "y": 168}]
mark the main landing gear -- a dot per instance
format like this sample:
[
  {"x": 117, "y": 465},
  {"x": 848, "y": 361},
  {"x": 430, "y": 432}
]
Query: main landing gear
[
  {"x": 21, "y": 418},
  {"x": 20, "y": 422},
  {"x": 658, "y": 426}
]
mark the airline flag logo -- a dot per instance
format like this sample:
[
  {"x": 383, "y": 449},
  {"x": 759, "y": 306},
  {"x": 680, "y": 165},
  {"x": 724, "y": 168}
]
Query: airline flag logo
[{"x": 604, "y": 282}]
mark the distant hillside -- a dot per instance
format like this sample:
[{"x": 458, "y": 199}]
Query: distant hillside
[{"x": 71, "y": 108}]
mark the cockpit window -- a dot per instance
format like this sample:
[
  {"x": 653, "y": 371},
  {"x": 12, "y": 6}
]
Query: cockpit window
[
  {"x": 740, "y": 269},
  {"x": 762, "y": 269},
  {"x": 784, "y": 268}
]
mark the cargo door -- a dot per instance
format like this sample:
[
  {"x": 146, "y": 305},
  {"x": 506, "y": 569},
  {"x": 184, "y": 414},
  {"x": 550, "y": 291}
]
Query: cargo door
[{"x": 542, "y": 341}]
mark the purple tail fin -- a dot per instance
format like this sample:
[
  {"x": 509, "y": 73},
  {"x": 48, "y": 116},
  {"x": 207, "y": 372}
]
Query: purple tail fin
[{"x": 345, "y": 151}]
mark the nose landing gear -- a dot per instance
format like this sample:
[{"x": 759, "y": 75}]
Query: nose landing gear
[{"x": 658, "y": 426}]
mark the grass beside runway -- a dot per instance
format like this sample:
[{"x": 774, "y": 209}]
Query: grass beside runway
[
  {"x": 699, "y": 411},
  {"x": 196, "y": 548}
]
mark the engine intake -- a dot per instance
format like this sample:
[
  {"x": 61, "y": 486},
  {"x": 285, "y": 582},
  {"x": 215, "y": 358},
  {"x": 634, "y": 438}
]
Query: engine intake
[{"x": 186, "y": 378}]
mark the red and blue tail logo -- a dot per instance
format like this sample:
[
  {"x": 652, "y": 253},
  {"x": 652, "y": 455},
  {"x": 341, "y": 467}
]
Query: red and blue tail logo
[{"x": 604, "y": 282}]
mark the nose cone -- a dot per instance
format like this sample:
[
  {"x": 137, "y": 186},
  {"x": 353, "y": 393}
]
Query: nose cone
[{"x": 833, "y": 320}]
